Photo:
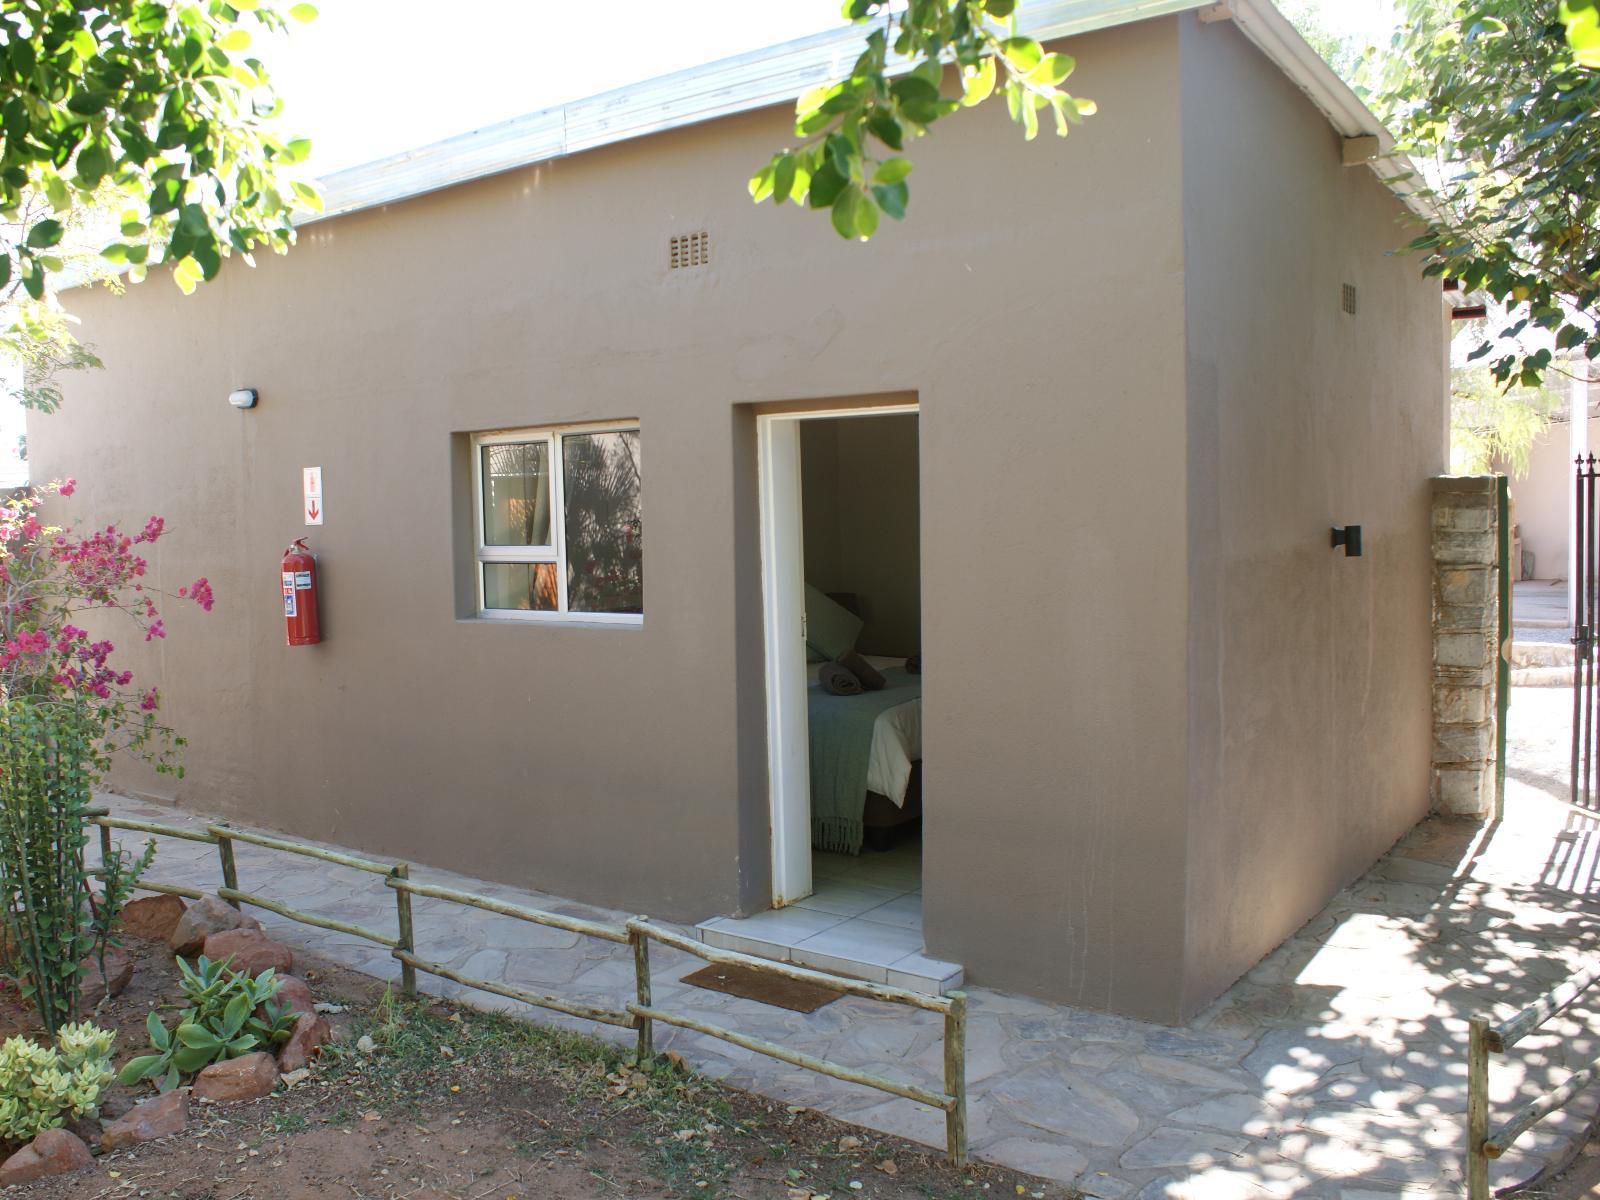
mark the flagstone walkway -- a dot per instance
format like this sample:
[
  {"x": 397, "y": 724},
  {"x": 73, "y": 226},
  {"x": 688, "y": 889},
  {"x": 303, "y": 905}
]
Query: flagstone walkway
[{"x": 1333, "y": 1070}]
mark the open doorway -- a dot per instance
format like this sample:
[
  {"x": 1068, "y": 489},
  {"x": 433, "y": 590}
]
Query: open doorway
[{"x": 841, "y": 575}]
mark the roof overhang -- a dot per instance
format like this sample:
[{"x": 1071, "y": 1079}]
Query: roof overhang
[{"x": 778, "y": 74}]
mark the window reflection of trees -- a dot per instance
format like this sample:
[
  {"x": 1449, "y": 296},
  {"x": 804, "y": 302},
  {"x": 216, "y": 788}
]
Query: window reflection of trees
[
  {"x": 519, "y": 495},
  {"x": 605, "y": 554}
]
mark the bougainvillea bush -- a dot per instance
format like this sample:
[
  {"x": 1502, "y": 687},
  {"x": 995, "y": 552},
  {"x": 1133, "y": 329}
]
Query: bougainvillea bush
[{"x": 65, "y": 708}]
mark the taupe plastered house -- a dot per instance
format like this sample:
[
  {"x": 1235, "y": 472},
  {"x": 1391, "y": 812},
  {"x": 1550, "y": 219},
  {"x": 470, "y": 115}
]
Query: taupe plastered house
[{"x": 1142, "y": 371}]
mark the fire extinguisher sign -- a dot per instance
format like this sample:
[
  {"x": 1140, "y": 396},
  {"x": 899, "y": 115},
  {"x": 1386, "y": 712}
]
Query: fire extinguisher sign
[{"x": 311, "y": 486}]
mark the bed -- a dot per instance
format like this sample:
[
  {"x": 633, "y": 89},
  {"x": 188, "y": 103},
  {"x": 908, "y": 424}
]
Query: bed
[{"x": 866, "y": 753}]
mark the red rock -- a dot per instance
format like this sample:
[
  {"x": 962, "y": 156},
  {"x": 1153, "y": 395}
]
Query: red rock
[
  {"x": 153, "y": 916},
  {"x": 119, "y": 972},
  {"x": 158, "y": 1118},
  {"x": 311, "y": 1032},
  {"x": 294, "y": 995},
  {"x": 249, "y": 1077},
  {"x": 251, "y": 950},
  {"x": 204, "y": 917},
  {"x": 53, "y": 1152}
]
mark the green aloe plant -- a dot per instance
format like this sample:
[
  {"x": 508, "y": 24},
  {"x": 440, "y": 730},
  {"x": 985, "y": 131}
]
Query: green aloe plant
[{"x": 222, "y": 1022}]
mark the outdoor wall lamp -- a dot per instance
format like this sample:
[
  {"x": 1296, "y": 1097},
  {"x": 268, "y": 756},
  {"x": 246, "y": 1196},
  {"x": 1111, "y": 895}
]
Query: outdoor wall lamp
[
  {"x": 242, "y": 398},
  {"x": 1348, "y": 536}
]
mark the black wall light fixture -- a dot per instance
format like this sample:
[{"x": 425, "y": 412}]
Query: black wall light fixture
[{"x": 1349, "y": 536}]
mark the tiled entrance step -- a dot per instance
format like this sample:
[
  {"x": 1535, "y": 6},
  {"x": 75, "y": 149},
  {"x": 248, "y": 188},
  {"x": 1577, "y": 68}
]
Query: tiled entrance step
[{"x": 868, "y": 932}]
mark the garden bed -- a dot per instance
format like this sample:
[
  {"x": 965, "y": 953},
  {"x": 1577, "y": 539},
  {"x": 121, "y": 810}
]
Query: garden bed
[{"x": 447, "y": 1101}]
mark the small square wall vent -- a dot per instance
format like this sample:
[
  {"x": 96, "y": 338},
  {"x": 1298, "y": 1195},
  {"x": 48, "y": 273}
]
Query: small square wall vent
[
  {"x": 689, "y": 250},
  {"x": 1347, "y": 298}
]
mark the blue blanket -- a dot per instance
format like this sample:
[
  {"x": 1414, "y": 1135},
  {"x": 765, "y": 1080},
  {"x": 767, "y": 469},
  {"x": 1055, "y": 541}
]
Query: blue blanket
[{"x": 841, "y": 747}]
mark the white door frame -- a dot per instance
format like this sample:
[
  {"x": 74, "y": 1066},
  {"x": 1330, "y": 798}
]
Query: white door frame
[{"x": 783, "y": 624}]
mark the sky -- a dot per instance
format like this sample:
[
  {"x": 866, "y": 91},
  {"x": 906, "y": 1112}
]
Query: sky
[{"x": 371, "y": 78}]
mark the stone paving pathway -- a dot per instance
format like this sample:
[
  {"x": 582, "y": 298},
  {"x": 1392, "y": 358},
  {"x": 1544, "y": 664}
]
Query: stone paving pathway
[{"x": 1334, "y": 1069}]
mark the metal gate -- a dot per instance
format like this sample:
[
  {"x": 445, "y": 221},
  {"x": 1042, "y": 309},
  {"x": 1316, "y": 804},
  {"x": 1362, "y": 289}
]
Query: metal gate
[{"x": 1585, "y": 631}]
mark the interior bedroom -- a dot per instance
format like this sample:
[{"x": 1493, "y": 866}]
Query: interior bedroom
[{"x": 859, "y": 500}]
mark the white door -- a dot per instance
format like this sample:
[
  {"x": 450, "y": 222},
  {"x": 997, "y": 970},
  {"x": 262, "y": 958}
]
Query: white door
[{"x": 783, "y": 585}]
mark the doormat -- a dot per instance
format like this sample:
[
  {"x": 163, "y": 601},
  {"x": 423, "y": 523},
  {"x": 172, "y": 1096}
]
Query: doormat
[{"x": 751, "y": 984}]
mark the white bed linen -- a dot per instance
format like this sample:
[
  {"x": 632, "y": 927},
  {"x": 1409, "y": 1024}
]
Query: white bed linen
[{"x": 896, "y": 739}]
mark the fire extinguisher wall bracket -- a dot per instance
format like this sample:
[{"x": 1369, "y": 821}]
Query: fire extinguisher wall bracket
[{"x": 301, "y": 624}]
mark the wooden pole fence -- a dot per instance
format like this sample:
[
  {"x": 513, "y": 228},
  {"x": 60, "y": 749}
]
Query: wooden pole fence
[
  {"x": 639, "y": 1014},
  {"x": 1483, "y": 1039}
]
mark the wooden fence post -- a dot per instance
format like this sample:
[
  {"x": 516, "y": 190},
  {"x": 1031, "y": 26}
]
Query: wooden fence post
[
  {"x": 107, "y": 851},
  {"x": 1477, "y": 1108},
  {"x": 230, "y": 873},
  {"x": 408, "y": 940},
  {"x": 640, "y": 941},
  {"x": 955, "y": 1077}
]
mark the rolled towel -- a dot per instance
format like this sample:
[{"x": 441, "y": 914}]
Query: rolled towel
[
  {"x": 837, "y": 680},
  {"x": 869, "y": 675},
  {"x": 914, "y": 664}
]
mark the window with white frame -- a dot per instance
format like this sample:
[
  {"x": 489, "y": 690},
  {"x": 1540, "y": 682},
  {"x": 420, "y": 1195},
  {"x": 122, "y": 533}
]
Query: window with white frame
[{"x": 558, "y": 523}]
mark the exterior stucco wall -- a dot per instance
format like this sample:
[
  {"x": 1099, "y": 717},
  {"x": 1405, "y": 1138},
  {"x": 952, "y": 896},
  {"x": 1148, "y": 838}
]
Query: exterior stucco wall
[
  {"x": 1542, "y": 499},
  {"x": 1309, "y": 712},
  {"x": 1032, "y": 302}
]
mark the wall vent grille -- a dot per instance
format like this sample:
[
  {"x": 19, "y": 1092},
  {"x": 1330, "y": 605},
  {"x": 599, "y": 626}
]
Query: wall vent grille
[
  {"x": 689, "y": 250},
  {"x": 1347, "y": 298}
]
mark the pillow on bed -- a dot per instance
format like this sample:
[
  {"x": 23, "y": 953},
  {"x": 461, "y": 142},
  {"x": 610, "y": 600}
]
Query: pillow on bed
[{"x": 831, "y": 628}]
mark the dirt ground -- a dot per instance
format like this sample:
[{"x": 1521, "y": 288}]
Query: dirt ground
[{"x": 456, "y": 1104}]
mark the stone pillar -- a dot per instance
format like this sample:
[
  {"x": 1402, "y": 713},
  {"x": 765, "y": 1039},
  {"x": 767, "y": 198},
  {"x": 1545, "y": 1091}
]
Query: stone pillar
[{"x": 1466, "y": 624}]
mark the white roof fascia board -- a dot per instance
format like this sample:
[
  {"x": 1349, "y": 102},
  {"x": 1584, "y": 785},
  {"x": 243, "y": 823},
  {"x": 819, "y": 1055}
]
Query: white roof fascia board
[
  {"x": 758, "y": 79},
  {"x": 1276, "y": 37}
]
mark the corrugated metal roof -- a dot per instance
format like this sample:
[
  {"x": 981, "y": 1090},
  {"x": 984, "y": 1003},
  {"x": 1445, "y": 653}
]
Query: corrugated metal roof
[{"x": 777, "y": 75}]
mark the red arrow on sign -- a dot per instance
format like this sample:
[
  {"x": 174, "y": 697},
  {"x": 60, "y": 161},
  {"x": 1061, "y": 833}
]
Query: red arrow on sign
[{"x": 311, "y": 510}]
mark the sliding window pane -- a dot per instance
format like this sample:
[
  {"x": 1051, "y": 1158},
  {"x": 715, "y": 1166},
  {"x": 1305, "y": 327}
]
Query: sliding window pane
[
  {"x": 516, "y": 494},
  {"x": 529, "y": 587},
  {"x": 605, "y": 555}
]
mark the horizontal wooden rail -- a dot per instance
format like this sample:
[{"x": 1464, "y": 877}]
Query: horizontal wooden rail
[
  {"x": 1484, "y": 1039},
  {"x": 639, "y": 1014},
  {"x": 594, "y": 929},
  {"x": 305, "y": 918},
  {"x": 228, "y": 832},
  {"x": 783, "y": 1054},
  {"x": 573, "y": 1008},
  {"x": 1509, "y": 1032},
  {"x": 1498, "y": 1142},
  {"x": 171, "y": 831},
  {"x": 855, "y": 987},
  {"x": 167, "y": 889}
]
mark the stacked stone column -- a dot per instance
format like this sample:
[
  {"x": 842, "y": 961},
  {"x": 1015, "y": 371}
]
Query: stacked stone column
[{"x": 1466, "y": 623}]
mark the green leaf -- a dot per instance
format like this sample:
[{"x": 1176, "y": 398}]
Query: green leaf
[
  {"x": 845, "y": 206},
  {"x": 826, "y": 185},
  {"x": 978, "y": 82},
  {"x": 46, "y": 233},
  {"x": 187, "y": 274},
  {"x": 192, "y": 1058},
  {"x": 892, "y": 198},
  {"x": 93, "y": 165},
  {"x": 881, "y": 123},
  {"x": 197, "y": 1037},
  {"x": 136, "y": 1069},
  {"x": 1022, "y": 53},
  {"x": 866, "y": 217},
  {"x": 1052, "y": 69},
  {"x": 234, "y": 1016},
  {"x": 57, "y": 192},
  {"x": 783, "y": 175},
  {"x": 761, "y": 184},
  {"x": 891, "y": 170}
]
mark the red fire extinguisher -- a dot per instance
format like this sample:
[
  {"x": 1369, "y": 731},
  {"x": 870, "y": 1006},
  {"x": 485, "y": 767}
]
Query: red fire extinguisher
[{"x": 300, "y": 595}]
